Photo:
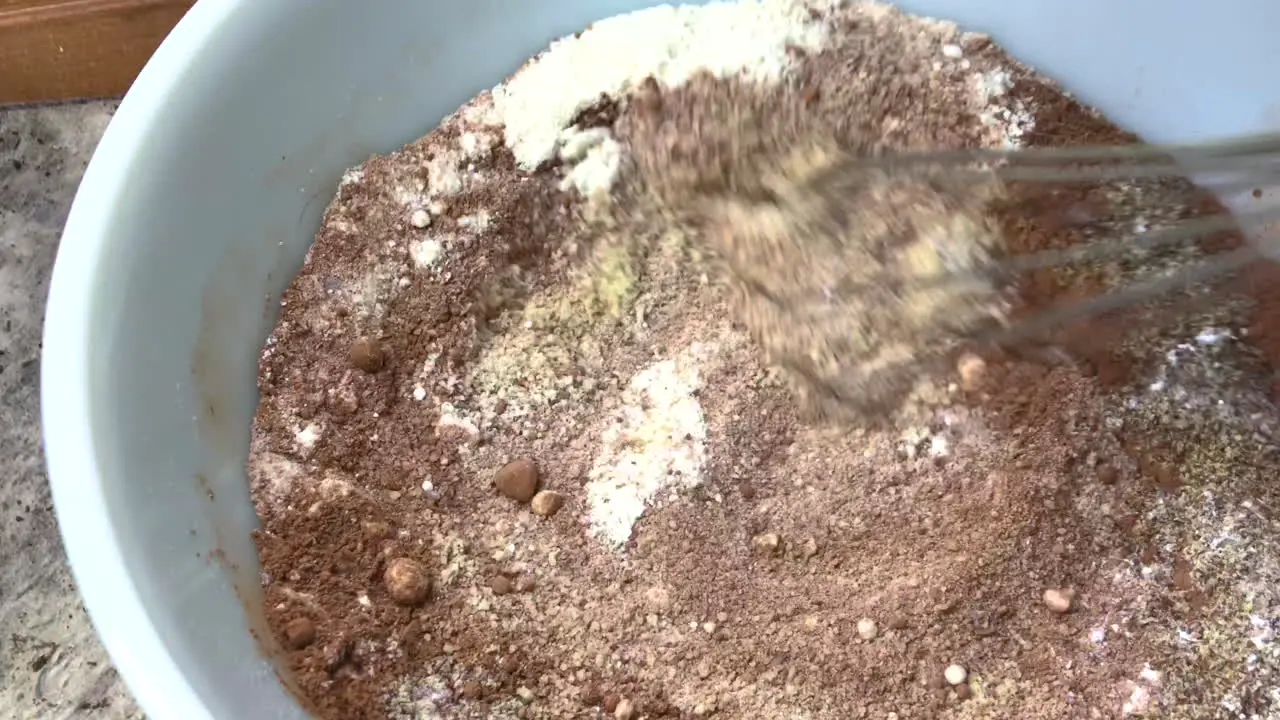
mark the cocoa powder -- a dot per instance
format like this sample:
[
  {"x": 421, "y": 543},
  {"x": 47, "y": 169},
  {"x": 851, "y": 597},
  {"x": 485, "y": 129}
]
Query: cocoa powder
[{"x": 945, "y": 530}]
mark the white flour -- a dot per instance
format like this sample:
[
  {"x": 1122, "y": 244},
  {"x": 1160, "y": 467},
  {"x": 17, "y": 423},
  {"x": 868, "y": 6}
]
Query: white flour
[
  {"x": 668, "y": 43},
  {"x": 1011, "y": 119},
  {"x": 658, "y": 447}
]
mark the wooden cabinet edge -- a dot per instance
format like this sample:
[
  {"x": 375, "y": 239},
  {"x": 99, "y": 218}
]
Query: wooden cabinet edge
[{"x": 75, "y": 49}]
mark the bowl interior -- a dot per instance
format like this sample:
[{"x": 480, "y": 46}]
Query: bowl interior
[{"x": 211, "y": 184}]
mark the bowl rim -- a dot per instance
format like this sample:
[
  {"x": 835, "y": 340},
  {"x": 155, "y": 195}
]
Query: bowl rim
[{"x": 76, "y": 481}]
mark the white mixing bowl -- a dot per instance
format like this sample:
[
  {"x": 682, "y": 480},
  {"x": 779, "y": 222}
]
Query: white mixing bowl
[{"x": 209, "y": 185}]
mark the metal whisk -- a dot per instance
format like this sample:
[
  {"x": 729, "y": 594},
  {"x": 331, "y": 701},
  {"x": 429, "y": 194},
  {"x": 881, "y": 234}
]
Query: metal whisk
[{"x": 858, "y": 273}]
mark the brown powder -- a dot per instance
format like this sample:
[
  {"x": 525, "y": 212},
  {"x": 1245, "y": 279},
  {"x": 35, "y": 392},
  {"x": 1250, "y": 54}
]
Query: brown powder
[{"x": 742, "y": 597}]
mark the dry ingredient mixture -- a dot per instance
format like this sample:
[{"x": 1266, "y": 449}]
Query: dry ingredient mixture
[{"x": 519, "y": 453}]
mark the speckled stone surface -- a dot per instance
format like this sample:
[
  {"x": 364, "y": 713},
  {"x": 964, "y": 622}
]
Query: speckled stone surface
[{"x": 51, "y": 664}]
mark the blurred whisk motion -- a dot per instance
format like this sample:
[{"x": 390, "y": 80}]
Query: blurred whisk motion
[{"x": 858, "y": 273}]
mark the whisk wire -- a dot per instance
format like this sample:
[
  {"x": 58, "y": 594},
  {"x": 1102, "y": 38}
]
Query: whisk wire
[
  {"x": 1171, "y": 157},
  {"x": 885, "y": 273},
  {"x": 1185, "y": 232},
  {"x": 1231, "y": 165},
  {"x": 1238, "y": 164},
  {"x": 1215, "y": 266}
]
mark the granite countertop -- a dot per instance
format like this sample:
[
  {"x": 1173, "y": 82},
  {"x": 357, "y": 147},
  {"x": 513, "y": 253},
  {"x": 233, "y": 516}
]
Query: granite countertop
[{"x": 51, "y": 664}]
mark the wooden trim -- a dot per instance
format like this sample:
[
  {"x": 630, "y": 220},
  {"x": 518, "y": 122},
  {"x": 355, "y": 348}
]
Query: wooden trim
[{"x": 54, "y": 50}]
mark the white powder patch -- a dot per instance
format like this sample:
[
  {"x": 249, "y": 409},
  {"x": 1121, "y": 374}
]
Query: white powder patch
[
  {"x": 657, "y": 447},
  {"x": 478, "y": 222},
  {"x": 881, "y": 11},
  {"x": 307, "y": 437},
  {"x": 425, "y": 253},
  {"x": 476, "y": 146},
  {"x": 575, "y": 142},
  {"x": 278, "y": 474},
  {"x": 450, "y": 417},
  {"x": 1139, "y": 701},
  {"x": 480, "y": 112},
  {"x": 406, "y": 197},
  {"x": 1142, "y": 692},
  {"x": 442, "y": 172},
  {"x": 993, "y": 85},
  {"x": 595, "y": 159},
  {"x": 334, "y": 486},
  {"x": 1190, "y": 375},
  {"x": 748, "y": 38},
  {"x": 1010, "y": 118},
  {"x": 342, "y": 225}
]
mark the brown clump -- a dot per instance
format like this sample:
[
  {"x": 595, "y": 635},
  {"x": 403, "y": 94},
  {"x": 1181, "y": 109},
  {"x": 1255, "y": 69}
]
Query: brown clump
[
  {"x": 546, "y": 503},
  {"x": 517, "y": 480},
  {"x": 501, "y": 585},
  {"x": 299, "y": 633},
  {"x": 407, "y": 582},
  {"x": 368, "y": 355}
]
